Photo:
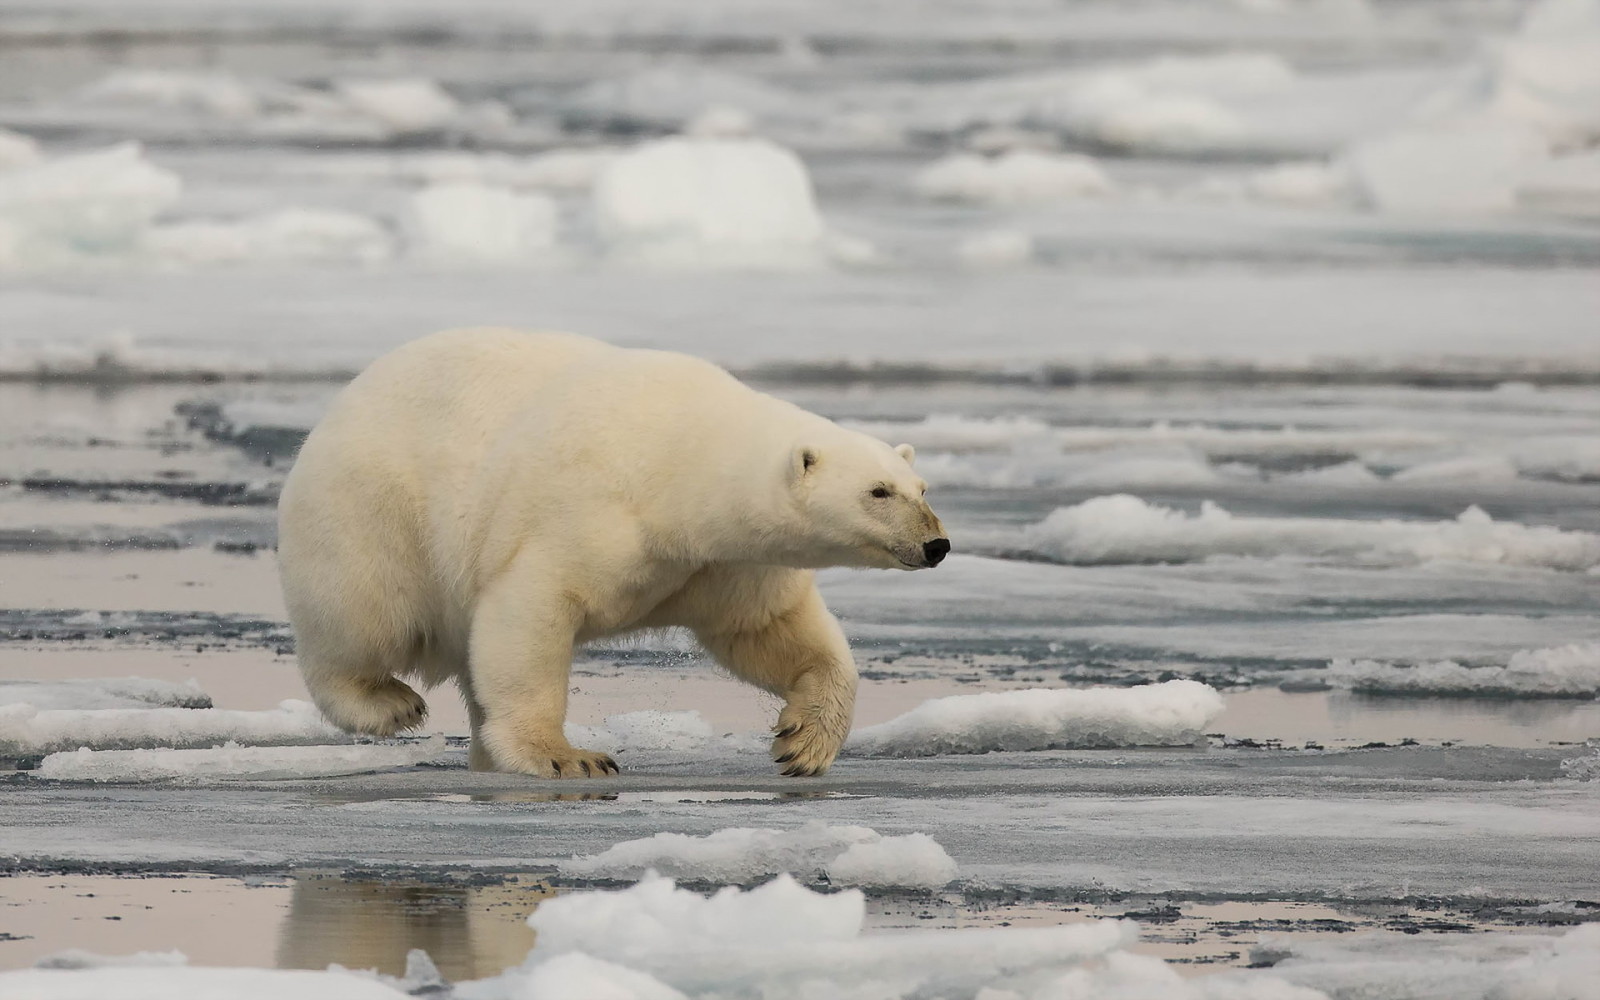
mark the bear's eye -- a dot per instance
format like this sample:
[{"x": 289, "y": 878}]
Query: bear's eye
[{"x": 881, "y": 492}]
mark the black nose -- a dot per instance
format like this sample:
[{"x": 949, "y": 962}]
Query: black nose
[{"x": 936, "y": 550}]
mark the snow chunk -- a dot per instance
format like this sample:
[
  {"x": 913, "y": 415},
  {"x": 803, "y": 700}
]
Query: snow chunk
[
  {"x": 1018, "y": 177},
  {"x": 739, "y": 202},
  {"x": 1465, "y": 167},
  {"x": 233, "y": 762},
  {"x": 106, "y": 692},
  {"x": 470, "y": 221},
  {"x": 91, "y": 203},
  {"x": 1173, "y": 713},
  {"x": 996, "y": 248},
  {"x": 1558, "y": 672},
  {"x": 413, "y": 104},
  {"x": 777, "y": 938},
  {"x": 17, "y": 150},
  {"x": 647, "y": 730},
  {"x": 845, "y": 855},
  {"x": 1126, "y": 529},
  {"x": 25, "y": 730},
  {"x": 289, "y": 234},
  {"x": 199, "y": 983}
]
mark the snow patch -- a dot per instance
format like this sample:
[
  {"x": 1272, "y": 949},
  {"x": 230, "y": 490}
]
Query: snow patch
[
  {"x": 405, "y": 105},
  {"x": 844, "y": 855},
  {"x": 1125, "y": 529},
  {"x": 103, "y": 693},
  {"x": 996, "y": 248},
  {"x": 1017, "y": 177},
  {"x": 1173, "y": 713},
  {"x": 234, "y": 762},
  {"x": 26, "y": 731},
  {"x": 719, "y": 202},
  {"x": 1571, "y": 671}
]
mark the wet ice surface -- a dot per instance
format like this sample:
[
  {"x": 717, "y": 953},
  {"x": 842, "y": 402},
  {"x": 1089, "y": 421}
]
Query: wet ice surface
[{"x": 1216, "y": 375}]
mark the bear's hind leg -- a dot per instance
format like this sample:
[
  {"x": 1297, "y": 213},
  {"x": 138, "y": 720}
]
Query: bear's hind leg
[
  {"x": 801, "y": 654},
  {"x": 371, "y": 702}
]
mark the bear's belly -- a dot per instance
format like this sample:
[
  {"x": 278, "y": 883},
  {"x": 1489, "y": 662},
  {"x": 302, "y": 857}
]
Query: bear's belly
[{"x": 628, "y": 605}]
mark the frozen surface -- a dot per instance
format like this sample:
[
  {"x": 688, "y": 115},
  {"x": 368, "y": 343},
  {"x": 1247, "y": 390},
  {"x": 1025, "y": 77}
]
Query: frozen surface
[
  {"x": 25, "y": 730},
  {"x": 709, "y": 200},
  {"x": 142, "y": 983},
  {"x": 1561, "y": 671},
  {"x": 1174, "y": 713},
  {"x": 1124, "y": 528},
  {"x": 232, "y": 761},
  {"x": 107, "y": 693},
  {"x": 843, "y": 855}
]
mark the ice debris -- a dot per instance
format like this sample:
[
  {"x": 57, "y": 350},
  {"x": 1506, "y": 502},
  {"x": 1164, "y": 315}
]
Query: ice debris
[
  {"x": 1571, "y": 671},
  {"x": 26, "y": 730},
  {"x": 842, "y": 855},
  {"x": 232, "y": 762},
  {"x": 1172, "y": 713}
]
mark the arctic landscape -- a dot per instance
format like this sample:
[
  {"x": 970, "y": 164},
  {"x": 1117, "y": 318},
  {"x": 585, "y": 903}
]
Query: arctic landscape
[{"x": 1251, "y": 352}]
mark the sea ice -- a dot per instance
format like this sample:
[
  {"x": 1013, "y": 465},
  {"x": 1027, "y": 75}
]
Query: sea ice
[
  {"x": 233, "y": 762},
  {"x": 465, "y": 220},
  {"x": 646, "y": 730},
  {"x": 780, "y": 940},
  {"x": 1017, "y": 177},
  {"x": 102, "y": 693},
  {"x": 669, "y": 97},
  {"x": 1472, "y": 166},
  {"x": 733, "y": 202},
  {"x": 290, "y": 234},
  {"x": 1571, "y": 671},
  {"x": 1173, "y": 713},
  {"x": 996, "y": 248},
  {"x": 26, "y": 731},
  {"x": 223, "y": 94},
  {"x": 17, "y": 150},
  {"x": 89, "y": 203},
  {"x": 843, "y": 855},
  {"x": 1125, "y": 529},
  {"x": 404, "y": 105}
]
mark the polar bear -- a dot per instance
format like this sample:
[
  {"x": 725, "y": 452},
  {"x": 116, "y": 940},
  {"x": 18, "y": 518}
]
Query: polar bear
[{"x": 478, "y": 503}]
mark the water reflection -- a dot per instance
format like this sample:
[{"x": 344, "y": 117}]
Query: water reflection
[{"x": 470, "y": 931}]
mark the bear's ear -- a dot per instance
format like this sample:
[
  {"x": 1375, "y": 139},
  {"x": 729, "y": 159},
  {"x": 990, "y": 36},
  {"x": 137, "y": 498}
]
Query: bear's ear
[
  {"x": 906, "y": 452},
  {"x": 801, "y": 463}
]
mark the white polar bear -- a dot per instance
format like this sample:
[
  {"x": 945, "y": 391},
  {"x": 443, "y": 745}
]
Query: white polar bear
[{"x": 479, "y": 502}]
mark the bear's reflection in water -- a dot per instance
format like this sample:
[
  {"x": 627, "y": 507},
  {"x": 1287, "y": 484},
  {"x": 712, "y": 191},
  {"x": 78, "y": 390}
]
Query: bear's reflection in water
[{"x": 470, "y": 931}]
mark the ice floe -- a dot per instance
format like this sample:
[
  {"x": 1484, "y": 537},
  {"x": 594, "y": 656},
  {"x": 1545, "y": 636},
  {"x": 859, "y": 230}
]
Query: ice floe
[
  {"x": 103, "y": 693},
  {"x": 1571, "y": 671},
  {"x": 738, "y": 202},
  {"x": 290, "y": 234},
  {"x": 1012, "y": 178},
  {"x": 467, "y": 221},
  {"x": 1125, "y": 529},
  {"x": 841, "y": 855},
  {"x": 27, "y": 731},
  {"x": 234, "y": 762},
  {"x": 768, "y": 942},
  {"x": 1172, "y": 713},
  {"x": 85, "y": 204}
]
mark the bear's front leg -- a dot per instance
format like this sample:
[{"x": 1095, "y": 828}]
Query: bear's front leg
[
  {"x": 520, "y": 657},
  {"x": 798, "y": 652}
]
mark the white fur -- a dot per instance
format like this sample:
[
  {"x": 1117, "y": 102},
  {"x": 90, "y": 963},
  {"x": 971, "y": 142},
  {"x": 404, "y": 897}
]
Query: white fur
[{"x": 479, "y": 502}]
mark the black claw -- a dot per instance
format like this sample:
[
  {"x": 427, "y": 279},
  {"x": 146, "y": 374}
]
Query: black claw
[
  {"x": 611, "y": 766},
  {"x": 787, "y": 731},
  {"x": 557, "y": 765},
  {"x": 786, "y": 758},
  {"x": 585, "y": 765}
]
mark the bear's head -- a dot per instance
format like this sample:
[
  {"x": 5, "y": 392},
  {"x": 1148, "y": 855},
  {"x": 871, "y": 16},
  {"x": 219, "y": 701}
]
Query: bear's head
[{"x": 863, "y": 505}]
